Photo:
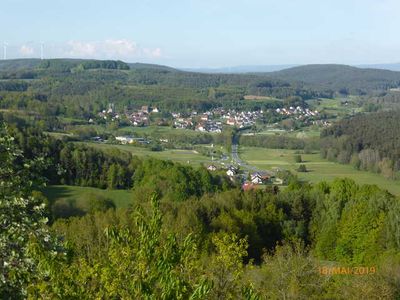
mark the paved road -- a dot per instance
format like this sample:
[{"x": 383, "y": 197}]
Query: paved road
[{"x": 236, "y": 159}]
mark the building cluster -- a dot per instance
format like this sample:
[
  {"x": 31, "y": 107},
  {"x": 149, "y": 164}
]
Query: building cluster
[
  {"x": 213, "y": 120},
  {"x": 130, "y": 140},
  {"x": 243, "y": 118},
  {"x": 297, "y": 112},
  {"x": 322, "y": 123},
  {"x": 209, "y": 126},
  {"x": 108, "y": 114},
  {"x": 141, "y": 117},
  {"x": 138, "y": 117},
  {"x": 253, "y": 180},
  {"x": 205, "y": 122},
  {"x": 182, "y": 122}
]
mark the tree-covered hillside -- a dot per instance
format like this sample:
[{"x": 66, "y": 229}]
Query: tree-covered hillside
[
  {"x": 342, "y": 78},
  {"x": 294, "y": 81},
  {"x": 369, "y": 142}
]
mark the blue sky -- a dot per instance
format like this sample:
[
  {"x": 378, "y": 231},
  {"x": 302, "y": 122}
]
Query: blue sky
[{"x": 205, "y": 33}]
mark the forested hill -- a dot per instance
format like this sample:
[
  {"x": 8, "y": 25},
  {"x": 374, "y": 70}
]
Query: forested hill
[
  {"x": 142, "y": 66},
  {"x": 369, "y": 142},
  {"x": 59, "y": 65},
  {"x": 307, "y": 82},
  {"x": 341, "y": 77},
  {"x": 19, "y": 64},
  {"x": 32, "y": 64}
]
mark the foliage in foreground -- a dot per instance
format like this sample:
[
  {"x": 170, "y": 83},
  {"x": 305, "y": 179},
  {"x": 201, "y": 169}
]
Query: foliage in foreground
[
  {"x": 22, "y": 220},
  {"x": 200, "y": 248}
]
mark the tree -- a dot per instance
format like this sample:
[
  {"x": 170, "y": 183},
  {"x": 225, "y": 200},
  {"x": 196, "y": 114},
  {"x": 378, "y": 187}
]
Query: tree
[
  {"x": 302, "y": 168},
  {"x": 22, "y": 219},
  {"x": 290, "y": 274},
  {"x": 227, "y": 265},
  {"x": 99, "y": 203},
  {"x": 112, "y": 176},
  {"x": 140, "y": 262},
  {"x": 297, "y": 158}
]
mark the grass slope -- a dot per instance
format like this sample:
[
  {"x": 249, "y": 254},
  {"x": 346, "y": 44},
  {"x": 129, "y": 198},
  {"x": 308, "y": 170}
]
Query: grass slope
[
  {"x": 78, "y": 195},
  {"x": 319, "y": 169},
  {"x": 177, "y": 155}
]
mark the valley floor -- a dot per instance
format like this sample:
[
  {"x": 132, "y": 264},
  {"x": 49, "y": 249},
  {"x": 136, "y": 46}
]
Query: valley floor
[{"x": 318, "y": 169}]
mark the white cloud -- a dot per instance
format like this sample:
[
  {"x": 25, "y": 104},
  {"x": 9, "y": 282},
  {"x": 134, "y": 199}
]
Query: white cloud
[
  {"x": 110, "y": 49},
  {"x": 80, "y": 49},
  {"x": 26, "y": 50},
  {"x": 152, "y": 53},
  {"x": 119, "y": 47}
]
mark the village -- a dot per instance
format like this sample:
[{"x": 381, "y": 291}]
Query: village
[{"x": 211, "y": 121}]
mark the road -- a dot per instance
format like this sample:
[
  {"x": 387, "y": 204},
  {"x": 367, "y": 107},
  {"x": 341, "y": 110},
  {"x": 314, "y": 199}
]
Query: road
[{"x": 236, "y": 159}]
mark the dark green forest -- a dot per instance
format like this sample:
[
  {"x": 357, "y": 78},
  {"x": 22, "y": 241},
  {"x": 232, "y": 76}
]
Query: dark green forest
[{"x": 369, "y": 142}]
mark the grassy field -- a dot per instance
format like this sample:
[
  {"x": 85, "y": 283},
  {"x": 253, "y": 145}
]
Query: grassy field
[
  {"x": 307, "y": 132},
  {"x": 335, "y": 106},
  {"x": 149, "y": 130},
  {"x": 178, "y": 155},
  {"x": 77, "y": 195},
  {"x": 255, "y": 97},
  {"x": 319, "y": 169}
]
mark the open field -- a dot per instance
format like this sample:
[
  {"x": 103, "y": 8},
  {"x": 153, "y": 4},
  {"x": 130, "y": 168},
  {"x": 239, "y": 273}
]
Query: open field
[
  {"x": 149, "y": 130},
  {"x": 178, "y": 155},
  {"x": 319, "y": 169},
  {"x": 77, "y": 195},
  {"x": 255, "y": 97},
  {"x": 307, "y": 132},
  {"x": 336, "y": 106},
  {"x": 140, "y": 131}
]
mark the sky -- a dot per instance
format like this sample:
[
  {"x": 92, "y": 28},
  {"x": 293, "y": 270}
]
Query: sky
[{"x": 204, "y": 33}]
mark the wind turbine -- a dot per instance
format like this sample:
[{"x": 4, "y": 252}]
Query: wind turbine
[
  {"x": 42, "y": 51},
  {"x": 5, "y": 50}
]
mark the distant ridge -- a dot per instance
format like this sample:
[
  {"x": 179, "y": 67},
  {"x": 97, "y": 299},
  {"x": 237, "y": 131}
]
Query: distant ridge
[
  {"x": 35, "y": 63},
  {"x": 320, "y": 73},
  {"x": 19, "y": 64},
  {"x": 390, "y": 67},
  {"x": 241, "y": 69},
  {"x": 340, "y": 77},
  {"x": 137, "y": 65}
]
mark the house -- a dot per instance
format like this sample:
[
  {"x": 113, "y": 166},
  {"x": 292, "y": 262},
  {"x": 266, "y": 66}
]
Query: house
[
  {"x": 232, "y": 171},
  {"x": 155, "y": 110},
  {"x": 200, "y": 127},
  {"x": 204, "y": 117},
  {"x": 124, "y": 139},
  {"x": 211, "y": 168},
  {"x": 145, "y": 109},
  {"x": 256, "y": 178},
  {"x": 259, "y": 177},
  {"x": 231, "y": 121}
]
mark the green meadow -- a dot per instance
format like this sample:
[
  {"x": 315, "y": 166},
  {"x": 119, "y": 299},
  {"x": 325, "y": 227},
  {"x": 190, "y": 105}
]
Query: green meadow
[
  {"x": 318, "y": 169},
  {"x": 77, "y": 195},
  {"x": 191, "y": 157}
]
